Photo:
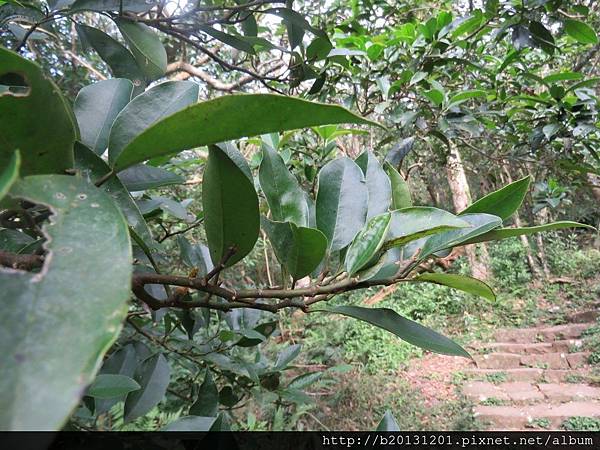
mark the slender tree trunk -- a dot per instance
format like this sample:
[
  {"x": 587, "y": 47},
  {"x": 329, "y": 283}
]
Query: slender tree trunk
[
  {"x": 535, "y": 269},
  {"x": 461, "y": 198}
]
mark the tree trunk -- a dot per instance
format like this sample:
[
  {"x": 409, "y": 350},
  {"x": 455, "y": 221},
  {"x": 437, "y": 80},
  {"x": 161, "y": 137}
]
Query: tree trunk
[{"x": 461, "y": 198}]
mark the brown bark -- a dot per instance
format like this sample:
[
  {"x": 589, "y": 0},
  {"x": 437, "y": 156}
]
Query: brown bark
[{"x": 461, "y": 198}]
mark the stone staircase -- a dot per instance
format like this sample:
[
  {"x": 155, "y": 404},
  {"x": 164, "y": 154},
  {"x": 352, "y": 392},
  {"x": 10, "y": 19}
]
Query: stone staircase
[{"x": 533, "y": 377}]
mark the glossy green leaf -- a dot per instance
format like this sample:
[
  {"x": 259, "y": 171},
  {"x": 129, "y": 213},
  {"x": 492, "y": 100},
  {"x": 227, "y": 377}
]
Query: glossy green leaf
[
  {"x": 416, "y": 222},
  {"x": 146, "y": 47},
  {"x": 299, "y": 249},
  {"x": 285, "y": 197},
  {"x": 580, "y": 31},
  {"x": 401, "y": 197},
  {"x": 153, "y": 376},
  {"x": 230, "y": 204},
  {"x": 14, "y": 241},
  {"x": 479, "y": 224},
  {"x": 460, "y": 282},
  {"x": 378, "y": 184},
  {"x": 342, "y": 202},
  {"x": 503, "y": 202},
  {"x": 142, "y": 177},
  {"x": 122, "y": 362},
  {"x": 147, "y": 109},
  {"x": 466, "y": 95},
  {"x": 96, "y": 107},
  {"x": 237, "y": 42},
  {"x": 230, "y": 117},
  {"x": 286, "y": 356},
  {"x": 111, "y": 385},
  {"x": 191, "y": 423},
  {"x": 10, "y": 174},
  {"x": 120, "y": 60},
  {"x": 44, "y": 140},
  {"x": 388, "y": 423},
  {"x": 503, "y": 233},
  {"x": 87, "y": 242},
  {"x": 207, "y": 403},
  {"x": 405, "y": 329},
  {"x": 367, "y": 243},
  {"x": 92, "y": 167}
]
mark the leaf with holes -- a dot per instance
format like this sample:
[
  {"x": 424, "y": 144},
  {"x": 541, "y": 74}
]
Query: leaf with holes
[
  {"x": 87, "y": 242},
  {"x": 44, "y": 140}
]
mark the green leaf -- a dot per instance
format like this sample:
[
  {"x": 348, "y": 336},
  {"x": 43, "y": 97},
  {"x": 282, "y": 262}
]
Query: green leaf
[
  {"x": 503, "y": 202},
  {"x": 44, "y": 140},
  {"x": 148, "y": 109},
  {"x": 230, "y": 117},
  {"x": 286, "y": 356},
  {"x": 121, "y": 362},
  {"x": 401, "y": 197},
  {"x": 405, "y": 329},
  {"x": 465, "y": 95},
  {"x": 111, "y": 385},
  {"x": 14, "y": 241},
  {"x": 10, "y": 174},
  {"x": 146, "y": 47},
  {"x": 342, "y": 202},
  {"x": 305, "y": 380},
  {"x": 93, "y": 167},
  {"x": 378, "y": 184},
  {"x": 416, "y": 222},
  {"x": 236, "y": 42},
  {"x": 367, "y": 243},
  {"x": 388, "y": 423},
  {"x": 292, "y": 17},
  {"x": 460, "y": 282},
  {"x": 298, "y": 249},
  {"x": 137, "y": 6},
  {"x": 191, "y": 423},
  {"x": 436, "y": 97},
  {"x": 230, "y": 204},
  {"x": 87, "y": 242},
  {"x": 580, "y": 31},
  {"x": 503, "y": 233},
  {"x": 196, "y": 255},
  {"x": 96, "y": 107},
  {"x": 142, "y": 177},
  {"x": 480, "y": 224},
  {"x": 562, "y": 76},
  {"x": 207, "y": 403},
  {"x": 153, "y": 376},
  {"x": 120, "y": 60},
  {"x": 285, "y": 197}
]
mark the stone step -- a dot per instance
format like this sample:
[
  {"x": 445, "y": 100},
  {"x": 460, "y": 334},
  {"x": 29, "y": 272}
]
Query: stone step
[
  {"x": 532, "y": 349},
  {"x": 528, "y": 374},
  {"x": 541, "y": 361},
  {"x": 524, "y": 393},
  {"x": 505, "y": 417},
  {"x": 584, "y": 316},
  {"x": 542, "y": 334}
]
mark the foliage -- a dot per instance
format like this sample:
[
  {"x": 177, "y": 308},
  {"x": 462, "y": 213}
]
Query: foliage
[{"x": 87, "y": 223}]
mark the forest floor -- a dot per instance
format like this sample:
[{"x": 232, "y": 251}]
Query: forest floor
[{"x": 524, "y": 378}]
